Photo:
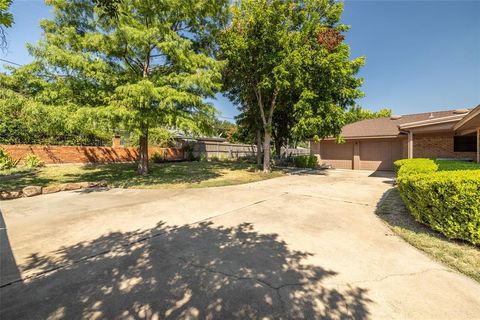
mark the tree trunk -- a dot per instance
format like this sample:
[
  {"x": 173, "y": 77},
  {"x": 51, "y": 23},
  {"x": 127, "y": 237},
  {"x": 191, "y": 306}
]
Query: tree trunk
[
  {"x": 266, "y": 151},
  {"x": 259, "y": 147},
  {"x": 278, "y": 147},
  {"x": 143, "y": 150}
]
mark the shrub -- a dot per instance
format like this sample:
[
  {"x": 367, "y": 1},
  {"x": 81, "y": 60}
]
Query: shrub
[
  {"x": 423, "y": 165},
  {"x": 33, "y": 161},
  {"x": 157, "y": 157},
  {"x": 306, "y": 161},
  {"x": 412, "y": 166},
  {"x": 6, "y": 162},
  {"x": 188, "y": 151},
  {"x": 443, "y": 194}
]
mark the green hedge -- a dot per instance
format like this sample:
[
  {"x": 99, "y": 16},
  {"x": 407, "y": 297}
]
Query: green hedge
[
  {"x": 307, "y": 161},
  {"x": 443, "y": 194}
]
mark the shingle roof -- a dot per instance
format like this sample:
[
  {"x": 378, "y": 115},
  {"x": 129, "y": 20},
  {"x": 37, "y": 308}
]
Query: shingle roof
[{"x": 386, "y": 126}]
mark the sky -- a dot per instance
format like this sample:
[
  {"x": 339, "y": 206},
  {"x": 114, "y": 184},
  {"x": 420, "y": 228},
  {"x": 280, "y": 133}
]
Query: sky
[{"x": 421, "y": 56}]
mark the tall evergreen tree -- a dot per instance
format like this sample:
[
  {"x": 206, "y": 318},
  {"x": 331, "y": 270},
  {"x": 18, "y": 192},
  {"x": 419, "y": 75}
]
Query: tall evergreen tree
[{"x": 148, "y": 64}]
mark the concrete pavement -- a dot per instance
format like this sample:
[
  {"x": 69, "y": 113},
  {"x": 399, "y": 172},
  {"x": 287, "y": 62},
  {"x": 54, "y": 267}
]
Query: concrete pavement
[{"x": 304, "y": 246}]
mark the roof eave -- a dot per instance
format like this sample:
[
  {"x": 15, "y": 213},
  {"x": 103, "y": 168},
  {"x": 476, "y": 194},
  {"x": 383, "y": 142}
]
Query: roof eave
[
  {"x": 429, "y": 122},
  {"x": 472, "y": 114}
]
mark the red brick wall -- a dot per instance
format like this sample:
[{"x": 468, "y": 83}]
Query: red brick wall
[
  {"x": 437, "y": 146},
  {"x": 74, "y": 154}
]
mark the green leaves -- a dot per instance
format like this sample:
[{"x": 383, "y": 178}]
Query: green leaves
[
  {"x": 6, "y": 18},
  {"x": 443, "y": 194},
  {"x": 275, "y": 46},
  {"x": 127, "y": 62}
]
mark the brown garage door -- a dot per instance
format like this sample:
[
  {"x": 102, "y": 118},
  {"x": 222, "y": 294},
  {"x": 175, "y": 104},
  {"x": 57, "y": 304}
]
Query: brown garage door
[
  {"x": 337, "y": 155},
  {"x": 379, "y": 155}
]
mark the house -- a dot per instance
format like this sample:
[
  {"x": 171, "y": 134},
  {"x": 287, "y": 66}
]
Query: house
[{"x": 374, "y": 144}]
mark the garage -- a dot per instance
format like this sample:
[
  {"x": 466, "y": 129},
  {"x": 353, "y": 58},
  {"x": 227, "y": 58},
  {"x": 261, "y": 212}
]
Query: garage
[
  {"x": 337, "y": 155},
  {"x": 377, "y": 154}
]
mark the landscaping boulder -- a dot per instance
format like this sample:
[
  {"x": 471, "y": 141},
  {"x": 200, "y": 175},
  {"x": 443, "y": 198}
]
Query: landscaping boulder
[
  {"x": 98, "y": 184},
  {"x": 7, "y": 195},
  {"x": 74, "y": 186},
  {"x": 31, "y": 191},
  {"x": 51, "y": 189}
]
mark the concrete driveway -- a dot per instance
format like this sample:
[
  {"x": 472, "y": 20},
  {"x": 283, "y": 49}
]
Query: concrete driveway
[{"x": 303, "y": 246}]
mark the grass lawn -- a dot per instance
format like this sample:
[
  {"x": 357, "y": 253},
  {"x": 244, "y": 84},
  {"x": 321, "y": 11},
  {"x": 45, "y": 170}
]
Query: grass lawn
[
  {"x": 164, "y": 175},
  {"x": 457, "y": 255}
]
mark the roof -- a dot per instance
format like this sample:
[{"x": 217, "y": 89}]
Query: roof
[
  {"x": 470, "y": 122},
  {"x": 388, "y": 127}
]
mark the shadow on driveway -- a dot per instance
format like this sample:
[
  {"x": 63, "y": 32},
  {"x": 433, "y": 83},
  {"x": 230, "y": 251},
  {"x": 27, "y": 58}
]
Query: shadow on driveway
[{"x": 200, "y": 271}]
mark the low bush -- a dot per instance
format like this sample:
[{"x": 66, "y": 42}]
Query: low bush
[
  {"x": 423, "y": 165},
  {"x": 443, "y": 194},
  {"x": 6, "y": 162},
  {"x": 306, "y": 161},
  {"x": 412, "y": 166},
  {"x": 157, "y": 157},
  {"x": 33, "y": 161}
]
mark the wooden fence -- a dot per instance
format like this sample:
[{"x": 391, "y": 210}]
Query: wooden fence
[{"x": 222, "y": 150}]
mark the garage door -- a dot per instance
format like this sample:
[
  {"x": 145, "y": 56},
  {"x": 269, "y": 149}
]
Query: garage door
[
  {"x": 339, "y": 156},
  {"x": 379, "y": 155}
]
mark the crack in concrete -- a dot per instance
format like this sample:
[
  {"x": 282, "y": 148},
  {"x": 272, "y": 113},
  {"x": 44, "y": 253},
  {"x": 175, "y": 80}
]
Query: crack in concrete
[
  {"x": 332, "y": 199},
  {"x": 387, "y": 277},
  {"x": 240, "y": 278}
]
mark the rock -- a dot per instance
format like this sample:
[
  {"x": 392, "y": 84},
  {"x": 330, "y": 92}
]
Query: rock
[
  {"x": 7, "y": 195},
  {"x": 98, "y": 184},
  {"x": 71, "y": 186},
  {"x": 83, "y": 185},
  {"x": 51, "y": 189},
  {"x": 31, "y": 191}
]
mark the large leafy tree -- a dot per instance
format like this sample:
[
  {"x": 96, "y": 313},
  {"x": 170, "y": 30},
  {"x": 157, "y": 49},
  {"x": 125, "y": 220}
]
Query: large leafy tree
[
  {"x": 6, "y": 21},
  {"x": 285, "y": 54},
  {"x": 146, "y": 65},
  {"x": 357, "y": 113}
]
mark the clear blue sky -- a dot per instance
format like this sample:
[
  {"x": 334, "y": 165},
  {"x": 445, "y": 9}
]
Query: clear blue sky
[{"x": 421, "y": 55}]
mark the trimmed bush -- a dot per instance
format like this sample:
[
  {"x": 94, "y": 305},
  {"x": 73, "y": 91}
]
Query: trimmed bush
[
  {"x": 412, "y": 166},
  {"x": 306, "y": 161},
  {"x": 443, "y": 194}
]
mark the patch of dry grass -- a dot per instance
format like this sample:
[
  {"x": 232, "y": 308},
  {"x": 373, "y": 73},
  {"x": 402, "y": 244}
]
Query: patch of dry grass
[{"x": 460, "y": 256}]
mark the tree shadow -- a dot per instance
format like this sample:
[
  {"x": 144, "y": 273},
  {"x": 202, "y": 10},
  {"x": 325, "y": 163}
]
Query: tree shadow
[
  {"x": 8, "y": 267},
  {"x": 125, "y": 175},
  {"x": 189, "y": 272}
]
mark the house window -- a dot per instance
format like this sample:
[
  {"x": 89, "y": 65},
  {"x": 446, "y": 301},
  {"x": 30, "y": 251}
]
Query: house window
[{"x": 465, "y": 143}]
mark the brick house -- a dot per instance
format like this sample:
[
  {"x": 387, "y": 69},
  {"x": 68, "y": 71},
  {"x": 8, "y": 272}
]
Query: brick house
[{"x": 374, "y": 144}]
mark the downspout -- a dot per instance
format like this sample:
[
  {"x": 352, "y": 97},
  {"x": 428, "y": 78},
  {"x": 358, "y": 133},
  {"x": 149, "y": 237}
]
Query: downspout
[{"x": 409, "y": 143}]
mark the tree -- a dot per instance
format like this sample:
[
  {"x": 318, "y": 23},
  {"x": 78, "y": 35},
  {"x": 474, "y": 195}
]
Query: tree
[
  {"x": 357, "y": 113},
  {"x": 24, "y": 120},
  {"x": 147, "y": 66},
  {"x": 283, "y": 52},
  {"x": 6, "y": 21}
]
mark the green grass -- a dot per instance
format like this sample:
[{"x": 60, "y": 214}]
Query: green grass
[
  {"x": 460, "y": 256},
  {"x": 163, "y": 175}
]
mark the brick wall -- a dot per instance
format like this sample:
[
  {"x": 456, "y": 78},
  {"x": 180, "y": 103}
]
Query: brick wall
[
  {"x": 437, "y": 146},
  {"x": 74, "y": 154}
]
